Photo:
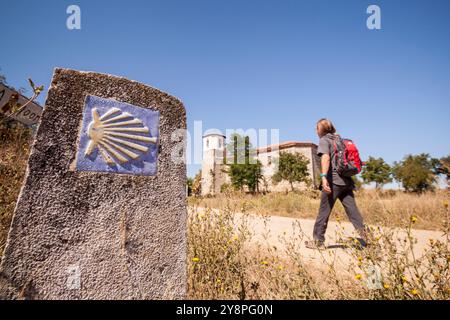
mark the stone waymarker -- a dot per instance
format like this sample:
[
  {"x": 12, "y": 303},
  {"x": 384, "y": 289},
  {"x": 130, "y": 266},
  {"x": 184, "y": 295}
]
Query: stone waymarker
[{"x": 102, "y": 213}]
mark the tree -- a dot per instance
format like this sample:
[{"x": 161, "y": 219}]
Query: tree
[
  {"x": 253, "y": 175},
  {"x": 376, "y": 170},
  {"x": 189, "y": 182},
  {"x": 244, "y": 170},
  {"x": 416, "y": 173},
  {"x": 358, "y": 183},
  {"x": 292, "y": 167},
  {"x": 443, "y": 167},
  {"x": 240, "y": 150},
  {"x": 237, "y": 176},
  {"x": 197, "y": 184}
]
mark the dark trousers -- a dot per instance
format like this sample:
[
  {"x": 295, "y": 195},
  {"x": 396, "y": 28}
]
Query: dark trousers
[{"x": 327, "y": 201}]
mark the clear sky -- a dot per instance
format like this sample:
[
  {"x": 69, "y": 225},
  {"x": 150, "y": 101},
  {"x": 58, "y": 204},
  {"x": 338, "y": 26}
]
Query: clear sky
[{"x": 258, "y": 64}]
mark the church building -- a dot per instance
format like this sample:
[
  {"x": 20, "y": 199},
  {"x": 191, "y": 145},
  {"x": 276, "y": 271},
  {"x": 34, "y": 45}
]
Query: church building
[{"x": 213, "y": 167}]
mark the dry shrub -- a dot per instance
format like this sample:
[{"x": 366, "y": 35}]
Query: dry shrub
[
  {"x": 226, "y": 262},
  {"x": 14, "y": 148},
  {"x": 223, "y": 263},
  {"x": 403, "y": 273}
]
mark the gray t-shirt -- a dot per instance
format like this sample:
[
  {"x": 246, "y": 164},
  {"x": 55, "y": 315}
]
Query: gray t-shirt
[{"x": 326, "y": 146}]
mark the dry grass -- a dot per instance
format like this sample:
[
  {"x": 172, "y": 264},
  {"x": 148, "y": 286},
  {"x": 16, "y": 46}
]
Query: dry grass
[
  {"x": 14, "y": 148},
  {"x": 390, "y": 208},
  {"x": 225, "y": 263}
]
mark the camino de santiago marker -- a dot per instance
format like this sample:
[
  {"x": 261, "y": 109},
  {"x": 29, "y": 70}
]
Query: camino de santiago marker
[{"x": 102, "y": 213}]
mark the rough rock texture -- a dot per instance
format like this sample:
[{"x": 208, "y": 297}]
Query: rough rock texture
[{"x": 126, "y": 234}]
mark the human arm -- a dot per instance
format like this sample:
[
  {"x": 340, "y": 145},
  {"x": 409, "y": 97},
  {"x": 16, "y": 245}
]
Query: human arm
[
  {"x": 325, "y": 165},
  {"x": 324, "y": 152}
]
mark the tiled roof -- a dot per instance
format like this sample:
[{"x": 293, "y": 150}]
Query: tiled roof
[{"x": 286, "y": 145}]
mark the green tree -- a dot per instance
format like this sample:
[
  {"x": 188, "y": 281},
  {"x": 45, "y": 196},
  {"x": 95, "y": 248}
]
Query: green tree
[
  {"x": 376, "y": 170},
  {"x": 417, "y": 173},
  {"x": 240, "y": 150},
  {"x": 237, "y": 176},
  {"x": 253, "y": 177},
  {"x": 197, "y": 184},
  {"x": 244, "y": 169},
  {"x": 358, "y": 183},
  {"x": 443, "y": 167},
  {"x": 292, "y": 167},
  {"x": 189, "y": 182}
]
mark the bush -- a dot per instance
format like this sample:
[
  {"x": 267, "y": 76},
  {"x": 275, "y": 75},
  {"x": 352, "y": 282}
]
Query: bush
[{"x": 14, "y": 148}]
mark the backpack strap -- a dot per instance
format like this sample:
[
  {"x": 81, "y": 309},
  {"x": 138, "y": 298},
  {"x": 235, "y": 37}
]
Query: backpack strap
[{"x": 335, "y": 155}]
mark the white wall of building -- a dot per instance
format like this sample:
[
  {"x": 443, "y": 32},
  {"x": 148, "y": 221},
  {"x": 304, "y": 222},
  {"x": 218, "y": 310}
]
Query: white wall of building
[{"x": 213, "y": 177}]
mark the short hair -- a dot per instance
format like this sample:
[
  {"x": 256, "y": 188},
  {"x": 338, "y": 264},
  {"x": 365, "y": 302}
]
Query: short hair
[{"x": 325, "y": 126}]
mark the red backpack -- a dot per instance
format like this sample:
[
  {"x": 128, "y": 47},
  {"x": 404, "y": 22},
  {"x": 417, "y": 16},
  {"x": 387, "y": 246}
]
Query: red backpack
[{"x": 347, "y": 162}]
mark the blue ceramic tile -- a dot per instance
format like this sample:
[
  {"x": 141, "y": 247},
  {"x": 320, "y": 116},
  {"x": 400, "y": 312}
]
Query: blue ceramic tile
[{"x": 117, "y": 137}]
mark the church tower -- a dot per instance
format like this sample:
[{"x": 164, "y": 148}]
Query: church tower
[{"x": 214, "y": 151}]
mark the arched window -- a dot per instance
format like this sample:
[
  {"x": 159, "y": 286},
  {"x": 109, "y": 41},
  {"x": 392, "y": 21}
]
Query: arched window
[
  {"x": 207, "y": 143},
  {"x": 220, "y": 143}
]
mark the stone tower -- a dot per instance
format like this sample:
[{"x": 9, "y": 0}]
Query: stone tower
[{"x": 214, "y": 151}]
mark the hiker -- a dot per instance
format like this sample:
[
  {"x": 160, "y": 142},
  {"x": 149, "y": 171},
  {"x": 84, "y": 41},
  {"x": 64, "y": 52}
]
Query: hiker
[{"x": 334, "y": 185}]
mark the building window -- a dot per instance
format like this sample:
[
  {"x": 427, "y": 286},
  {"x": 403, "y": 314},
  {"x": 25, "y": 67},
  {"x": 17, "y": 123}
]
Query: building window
[
  {"x": 220, "y": 144},
  {"x": 207, "y": 143}
]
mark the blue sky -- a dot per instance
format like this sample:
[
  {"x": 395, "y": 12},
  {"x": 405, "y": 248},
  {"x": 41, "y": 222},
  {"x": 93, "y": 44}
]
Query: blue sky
[{"x": 259, "y": 64}]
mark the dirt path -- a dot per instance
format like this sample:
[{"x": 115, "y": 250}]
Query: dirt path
[{"x": 277, "y": 231}]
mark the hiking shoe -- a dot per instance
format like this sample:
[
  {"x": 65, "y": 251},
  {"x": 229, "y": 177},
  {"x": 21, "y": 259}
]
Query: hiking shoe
[
  {"x": 366, "y": 236},
  {"x": 315, "y": 244}
]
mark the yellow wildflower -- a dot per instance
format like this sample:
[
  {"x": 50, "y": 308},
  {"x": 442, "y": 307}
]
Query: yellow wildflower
[
  {"x": 386, "y": 286},
  {"x": 413, "y": 219},
  {"x": 196, "y": 259},
  {"x": 404, "y": 278},
  {"x": 414, "y": 292},
  {"x": 358, "y": 276},
  {"x": 446, "y": 204},
  {"x": 280, "y": 267},
  {"x": 264, "y": 263}
]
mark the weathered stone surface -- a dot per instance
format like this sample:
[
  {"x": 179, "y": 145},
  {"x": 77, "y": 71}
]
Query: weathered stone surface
[{"x": 97, "y": 235}]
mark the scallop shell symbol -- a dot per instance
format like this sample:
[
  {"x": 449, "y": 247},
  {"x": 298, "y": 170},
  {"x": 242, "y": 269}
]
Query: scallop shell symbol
[{"x": 118, "y": 136}]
